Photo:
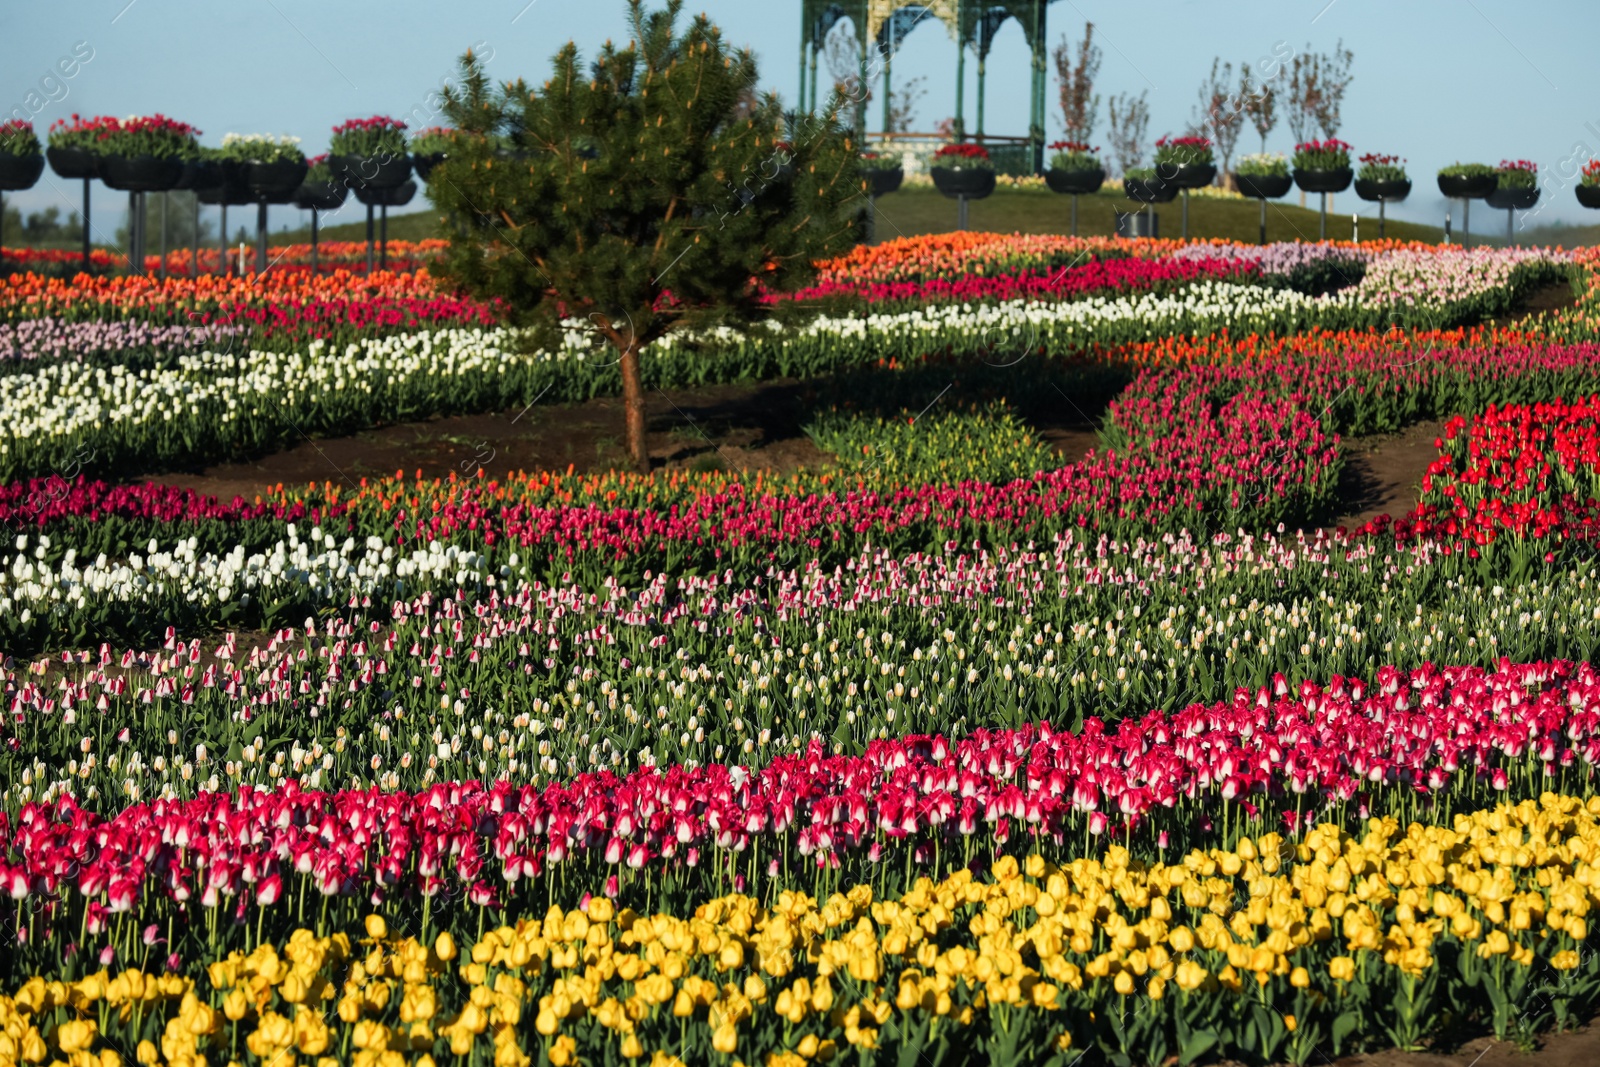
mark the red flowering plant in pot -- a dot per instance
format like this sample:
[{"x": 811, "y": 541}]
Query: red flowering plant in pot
[
  {"x": 1074, "y": 168},
  {"x": 1382, "y": 178},
  {"x": 370, "y": 153},
  {"x": 1186, "y": 162},
  {"x": 1588, "y": 189},
  {"x": 1322, "y": 166},
  {"x": 963, "y": 170},
  {"x": 1517, "y": 184},
  {"x": 21, "y": 162},
  {"x": 145, "y": 153},
  {"x": 73, "y": 151}
]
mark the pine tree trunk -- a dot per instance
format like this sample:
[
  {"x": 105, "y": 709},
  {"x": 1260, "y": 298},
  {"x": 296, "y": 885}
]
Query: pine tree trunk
[{"x": 633, "y": 407}]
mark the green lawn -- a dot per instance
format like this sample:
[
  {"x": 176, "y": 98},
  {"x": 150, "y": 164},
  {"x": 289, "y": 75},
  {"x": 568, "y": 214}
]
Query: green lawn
[{"x": 914, "y": 211}]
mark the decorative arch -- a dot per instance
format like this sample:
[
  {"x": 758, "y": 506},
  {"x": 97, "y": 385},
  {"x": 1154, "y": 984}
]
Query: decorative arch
[{"x": 881, "y": 25}]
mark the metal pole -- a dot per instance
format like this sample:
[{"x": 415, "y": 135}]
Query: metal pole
[
  {"x": 1382, "y": 203},
  {"x": 383, "y": 237},
  {"x": 164, "y": 196},
  {"x": 1355, "y": 228},
  {"x": 222, "y": 245},
  {"x": 803, "y": 44},
  {"x": 1263, "y": 238},
  {"x": 961, "y": 213},
  {"x": 983, "y": 61},
  {"x": 313, "y": 240},
  {"x": 961, "y": 88},
  {"x": 1509, "y": 213},
  {"x": 86, "y": 225},
  {"x": 1186, "y": 214},
  {"x": 261, "y": 238},
  {"x": 133, "y": 233},
  {"x": 369, "y": 238},
  {"x": 813, "y": 77},
  {"x": 1322, "y": 232},
  {"x": 194, "y": 241},
  {"x": 1447, "y": 227},
  {"x": 888, "y": 57},
  {"x": 1466, "y": 221}
]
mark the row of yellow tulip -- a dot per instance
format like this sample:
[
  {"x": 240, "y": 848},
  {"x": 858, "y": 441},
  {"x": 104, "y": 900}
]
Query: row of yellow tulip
[{"x": 1274, "y": 949}]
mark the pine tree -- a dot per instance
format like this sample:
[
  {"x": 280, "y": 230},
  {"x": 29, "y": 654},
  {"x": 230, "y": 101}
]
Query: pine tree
[{"x": 641, "y": 193}]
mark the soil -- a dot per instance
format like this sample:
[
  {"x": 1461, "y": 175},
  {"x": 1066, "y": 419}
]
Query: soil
[
  {"x": 1576, "y": 1048},
  {"x": 727, "y": 427},
  {"x": 1383, "y": 473}
]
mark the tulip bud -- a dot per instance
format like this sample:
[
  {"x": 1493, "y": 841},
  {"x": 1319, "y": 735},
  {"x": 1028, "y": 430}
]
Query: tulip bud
[{"x": 377, "y": 928}]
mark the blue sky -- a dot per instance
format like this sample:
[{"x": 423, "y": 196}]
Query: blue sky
[{"x": 1434, "y": 80}]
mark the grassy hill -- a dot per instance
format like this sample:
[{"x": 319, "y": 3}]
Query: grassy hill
[{"x": 913, "y": 211}]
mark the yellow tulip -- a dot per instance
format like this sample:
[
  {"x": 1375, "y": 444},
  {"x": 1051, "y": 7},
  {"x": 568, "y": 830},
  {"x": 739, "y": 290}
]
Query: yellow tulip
[
  {"x": 631, "y": 1048},
  {"x": 76, "y": 1035},
  {"x": 563, "y": 1051},
  {"x": 1342, "y": 968},
  {"x": 377, "y": 929}
]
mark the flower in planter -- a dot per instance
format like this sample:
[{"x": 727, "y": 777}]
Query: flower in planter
[
  {"x": 1263, "y": 165},
  {"x": 147, "y": 135},
  {"x": 1073, "y": 155},
  {"x": 1590, "y": 175},
  {"x": 1518, "y": 173},
  {"x": 1331, "y": 154},
  {"x": 433, "y": 141},
  {"x": 880, "y": 161},
  {"x": 970, "y": 156},
  {"x": 260, "y": 148},
  {"x": 318, "y": 171},
  {"x": 1466, "y": 170},
  {"x": 1376, "y": 167},
  {"x": 367, "y": 138},
  {"x": 80, "y": 132},
  {"x": 1183, "y": 152},
  {"x": 18, "y": 139}
]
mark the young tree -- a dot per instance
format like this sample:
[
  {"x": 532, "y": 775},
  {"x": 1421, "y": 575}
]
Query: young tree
[
  {"x": 903, "y": 105},
  {"x": 1304, "y": 91},
  {"x": 1259, "y": 103},
  {"x": 1333, "y": 78},
  {"x": 1079, "y": 105},
  {"x": 1129, "y": 119},
  {"x": 1219, "y": 114},
  {"x": 641, "y": 199}
]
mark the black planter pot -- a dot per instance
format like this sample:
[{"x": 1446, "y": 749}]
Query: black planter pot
[
  {"x": 398, "y": 196},
  {"x": 880, "y": 182},
  {"x": 222, "y": 183},
  {"x": 320, "y": 196},
  {"x": 1075, "y": 182},
  {"x": 1468, "y": 186},
  {"x": 1520, "y": 199},
  {"x": 371, "y": 172},
  {"x": 195, "y": 174},
  {"x": 274, "y": 183},
  {"x": 1263, "y": 186},
  {"x": 1148, "y": 190},
  {"x": 141, "y": 174},
  {"x": 73, "y": 162},
  {"x": 1187, "y": 175},
  {"x": 424, "y": 164},
  {"x": 1324, "y": 181},
  {"x": 1391, "y": 189},
  {"x": 19, "y": 172},
  {"x": 974, "y": 183},
  {"x": 1588, "y": 195}
]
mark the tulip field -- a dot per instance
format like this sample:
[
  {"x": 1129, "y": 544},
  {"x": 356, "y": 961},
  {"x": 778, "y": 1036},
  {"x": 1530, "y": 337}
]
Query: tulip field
[{"x": 942, "y": 750}]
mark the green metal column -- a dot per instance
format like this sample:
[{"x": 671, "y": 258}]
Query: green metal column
[
  {"x": 861, "y": 88},
  {"x": 813, "y": 77},
  {"x": 1040, "y": 81},
  {"x": 888, "y": 57},
  {"x": 801, "y": 105},
  {"x": 982, "y": 59},
  {"x": 961, "y": 85}
]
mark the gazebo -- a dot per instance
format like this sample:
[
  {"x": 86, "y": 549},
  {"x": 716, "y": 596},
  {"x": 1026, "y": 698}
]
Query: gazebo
[{"x": 880, "y": 26}]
